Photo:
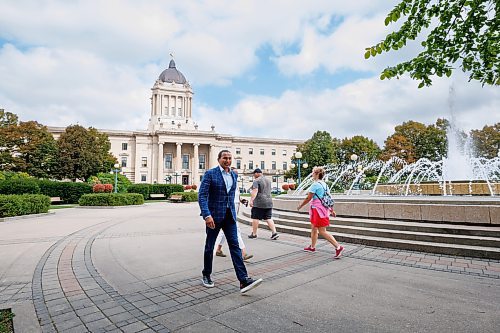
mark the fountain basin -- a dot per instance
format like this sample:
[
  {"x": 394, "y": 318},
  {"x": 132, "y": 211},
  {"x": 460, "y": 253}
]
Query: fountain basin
[
  {"x": 444, "y": 209},
  {"x": 455, "y": 187}
]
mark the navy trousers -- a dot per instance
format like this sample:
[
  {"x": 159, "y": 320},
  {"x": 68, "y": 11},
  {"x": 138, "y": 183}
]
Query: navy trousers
[{"x": 228, "y": 226}]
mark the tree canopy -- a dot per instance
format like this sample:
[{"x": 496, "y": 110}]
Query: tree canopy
[
  {"x": 360, "y": 145},
  {"x": 83, "y": 153},
  {"x": 463, "y": 33},
  {"x": 487, "y": 141}
]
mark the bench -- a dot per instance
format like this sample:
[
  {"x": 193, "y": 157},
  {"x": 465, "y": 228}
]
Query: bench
[
  {"x": 176, "y": 198},
  {"x": 157, "y": 195},
  {"x": 55, "y": 200}
]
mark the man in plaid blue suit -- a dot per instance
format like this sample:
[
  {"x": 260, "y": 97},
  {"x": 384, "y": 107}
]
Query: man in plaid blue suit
[{"x": 216, "y": 200}]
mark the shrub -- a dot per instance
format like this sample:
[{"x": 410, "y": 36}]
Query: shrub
[
  {"x": 190, "y": 196},
  {"x": 19, "y": 186},
  {"x": 123, "y": 183},
  {"x": 108, "y": 188},
  {"x": 69, "y": 192},
  {"x": 166, "y": 189},
  {"x": 291, "y": 186},
  {"x": 285, "y": 187},
  {"x": 111, "y": 199},
  {"x": 98, "y": 188},
  {"x": 187, "y": 187},
  {"x": 140, "y": 188},
  {"x": 194, "y": 186},
  {"x": 24, "y": 204}
]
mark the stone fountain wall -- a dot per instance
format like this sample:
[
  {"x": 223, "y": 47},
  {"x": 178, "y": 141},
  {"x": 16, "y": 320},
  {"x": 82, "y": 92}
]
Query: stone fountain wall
[
  {"x": 451, "y": 210},
  {"x": 454, "y": 188}
]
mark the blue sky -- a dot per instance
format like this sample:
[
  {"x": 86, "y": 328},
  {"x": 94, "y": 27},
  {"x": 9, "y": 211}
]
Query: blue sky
[{"x": 258, "y": 68}]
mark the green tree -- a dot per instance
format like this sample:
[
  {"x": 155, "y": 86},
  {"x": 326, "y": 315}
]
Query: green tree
[
  {"x": 462, "y": 32},
  {"x": 487, "y": 141},
  {"x": 37, "y": 150},
  {"x": 8, "y": 141},
  {"x": 360, "y": 145},
  {"x": 83, "y": 153},
  {"x": 317, "y": 151}
]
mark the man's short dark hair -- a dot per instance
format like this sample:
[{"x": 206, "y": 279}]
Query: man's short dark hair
[{"x": 222, "y": 152}]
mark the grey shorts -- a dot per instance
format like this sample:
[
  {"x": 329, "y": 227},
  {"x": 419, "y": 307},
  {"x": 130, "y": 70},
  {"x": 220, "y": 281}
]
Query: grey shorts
[{"x": 262, "y": 213}]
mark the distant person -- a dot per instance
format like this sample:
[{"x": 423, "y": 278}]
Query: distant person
[
  {"x": 221, "y": 239},
  {"x": 319, "y": 214},
  {"x": 216, "y": 200},
  {"x": 261, "y": 202}
]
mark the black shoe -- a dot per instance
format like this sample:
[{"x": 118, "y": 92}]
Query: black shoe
[
  {"x": 275, "y": 236},
  {"x": 249, "y": 284},
  {"x": 207, "y": 282},
  {"x": 252, "y": 236}
]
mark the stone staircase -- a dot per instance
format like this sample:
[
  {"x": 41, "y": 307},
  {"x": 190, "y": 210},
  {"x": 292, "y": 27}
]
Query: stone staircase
[{"x": 458, "y": 240}]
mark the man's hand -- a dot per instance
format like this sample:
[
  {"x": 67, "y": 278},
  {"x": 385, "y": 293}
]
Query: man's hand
[
  {"x": 333, "y": 213},
  {"x": 209, "y": 221},
  {"x": 251, "y": 202}
]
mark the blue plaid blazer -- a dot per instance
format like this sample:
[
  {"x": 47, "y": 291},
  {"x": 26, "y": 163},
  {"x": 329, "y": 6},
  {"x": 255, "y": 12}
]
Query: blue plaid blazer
[{"x": 213, "y": 197}]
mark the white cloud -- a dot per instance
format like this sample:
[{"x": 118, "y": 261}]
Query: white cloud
[
  {"x": 368, "y": 107},
  {"x": 94, "y": 63}
]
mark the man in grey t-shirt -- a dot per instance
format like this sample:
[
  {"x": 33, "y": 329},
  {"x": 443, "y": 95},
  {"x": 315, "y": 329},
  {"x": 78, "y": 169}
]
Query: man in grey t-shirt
[{"x": 262, "y": 204}]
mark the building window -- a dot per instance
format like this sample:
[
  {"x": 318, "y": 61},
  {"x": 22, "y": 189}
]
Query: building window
[
  {"x": 273, "y": 152},
  {"x": 124, "y": 162},
  {"x": 262, "y": 164},
  {"x": 168, "y": 161},
  {"x": 250, "y": 165},
  {"x": 173, "y": 110},
  {"x": 285, "y": 166},
  {"x": 144, "y": 162},
  {"x": 284, "y": 152},
  {"x": 185, "y": 161},
  {"x": 124, "y": 146},
  {"x": 180, "y": 112},
  {"x": 143, "y": 178},
  {"x": 262, "y": 151},
  {"x": 238, "y": 151},
  {"x": 238, "y": 164},
  {"x": 250, "y": 151},
  {"x": 201, "y": 160},
  {"x": 273, "y": 165}
]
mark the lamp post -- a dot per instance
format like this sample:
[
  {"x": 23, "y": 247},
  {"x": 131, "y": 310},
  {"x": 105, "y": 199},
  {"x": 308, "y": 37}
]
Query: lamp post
[
  {"x": 176, "y": 174},
  {"x": 298, "y": 162},
  {"x": 242, "y": 190},
  {"x": 278, "y": 174},
  {"x": 115, "y": 170}
]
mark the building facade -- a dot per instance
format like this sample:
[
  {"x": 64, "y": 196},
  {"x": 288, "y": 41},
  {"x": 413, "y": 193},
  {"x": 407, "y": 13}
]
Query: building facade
[{"x": 174, "y": 150}]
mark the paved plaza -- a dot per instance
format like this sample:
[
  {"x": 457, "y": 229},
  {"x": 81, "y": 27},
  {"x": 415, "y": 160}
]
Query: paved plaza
[{"x": 138, "y": 269}]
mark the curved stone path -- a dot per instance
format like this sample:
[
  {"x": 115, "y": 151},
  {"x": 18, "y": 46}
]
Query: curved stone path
[{"x": 76, "y": 287}]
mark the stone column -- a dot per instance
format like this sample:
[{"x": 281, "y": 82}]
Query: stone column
[
  {"x": 213, "y": 156},
  {"x": 178, "y": 158},
  {"x": 196, "y": 178},
  {"x": 160, "y": 162}
]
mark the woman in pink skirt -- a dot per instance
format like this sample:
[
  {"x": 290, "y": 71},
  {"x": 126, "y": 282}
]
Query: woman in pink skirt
[{"x": 319, "y": 214}]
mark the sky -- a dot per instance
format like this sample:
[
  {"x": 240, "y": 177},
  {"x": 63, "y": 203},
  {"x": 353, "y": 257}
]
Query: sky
[{"x": 276, "y": 69}]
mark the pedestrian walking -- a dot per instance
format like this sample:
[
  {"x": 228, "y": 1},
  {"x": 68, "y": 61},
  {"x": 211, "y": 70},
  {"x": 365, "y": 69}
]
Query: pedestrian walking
[
  {"x": 261, "y": 202},
  {"x": 319, "y": 213},
  {"x": 216, "y": 201}
]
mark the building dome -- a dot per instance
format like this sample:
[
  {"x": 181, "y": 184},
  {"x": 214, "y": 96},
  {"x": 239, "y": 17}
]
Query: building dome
[{"x": 171, "y": 74}]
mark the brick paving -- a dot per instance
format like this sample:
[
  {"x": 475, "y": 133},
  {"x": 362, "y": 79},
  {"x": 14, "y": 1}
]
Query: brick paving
[{"x": 69, "y": 294}]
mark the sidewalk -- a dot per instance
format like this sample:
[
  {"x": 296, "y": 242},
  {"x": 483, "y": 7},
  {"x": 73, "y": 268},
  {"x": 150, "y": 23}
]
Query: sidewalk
[{"x": 138, "y": 270}]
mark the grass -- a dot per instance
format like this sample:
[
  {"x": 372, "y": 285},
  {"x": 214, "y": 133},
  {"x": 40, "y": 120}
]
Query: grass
[{"x": 6, "y": 325}]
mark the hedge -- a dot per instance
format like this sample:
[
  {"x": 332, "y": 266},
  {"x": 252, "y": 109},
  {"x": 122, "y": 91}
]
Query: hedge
[
  {"x": 23, "y": 204},
  {"x": 19, "y": 186},
  {"x": 139, "y": 188},
  {"x": 166, "y": 189},
  {"x": 111, "y": 199},
  {"x": 147, "y": 189},
  {"x": 69, "y": 192},
  {"x": 190, "y": 196}
]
